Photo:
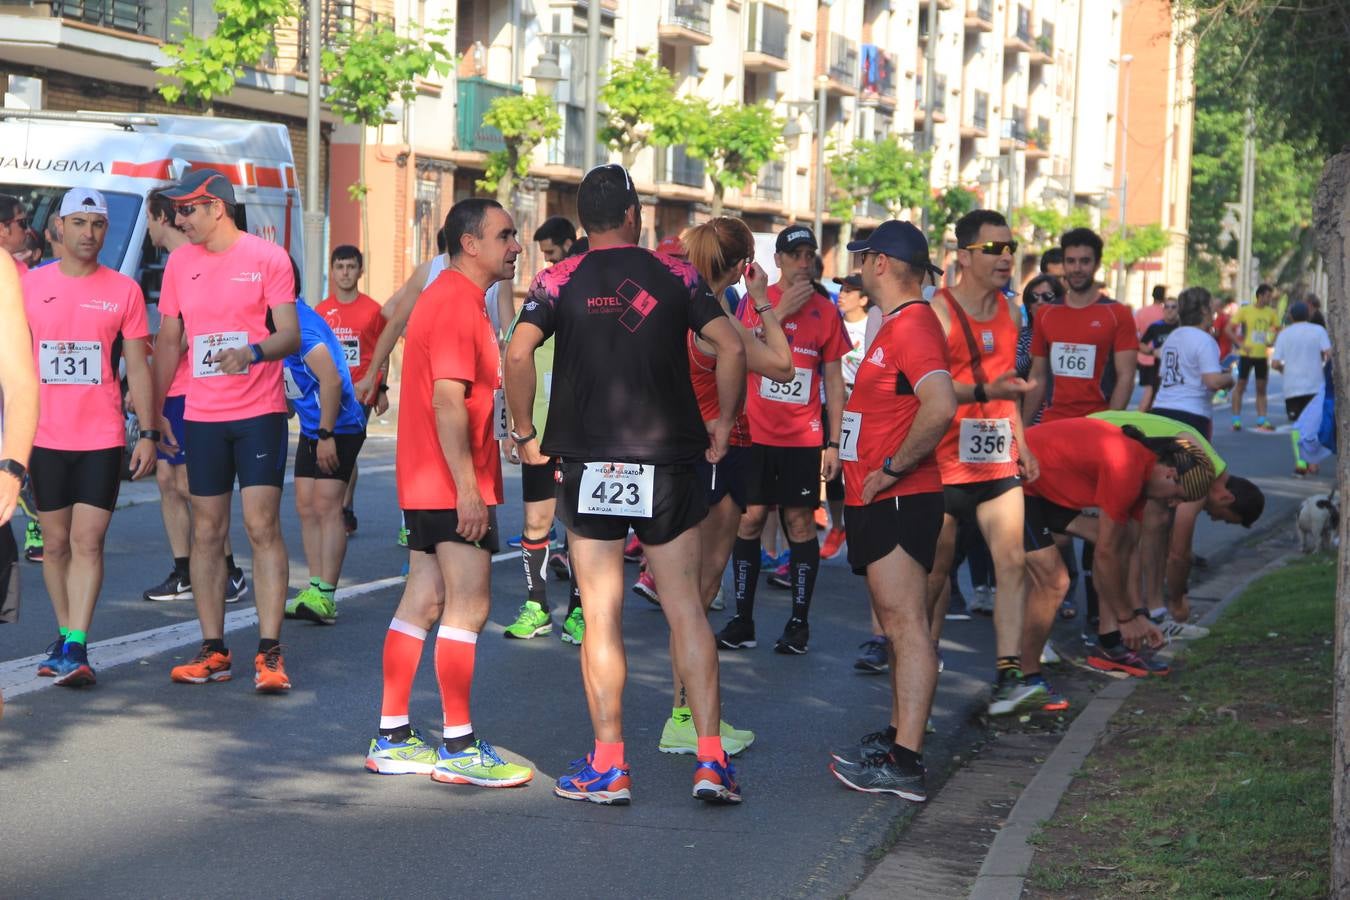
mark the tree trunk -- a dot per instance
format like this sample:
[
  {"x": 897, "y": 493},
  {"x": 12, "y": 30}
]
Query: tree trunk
[
  {"x": 365, "y": 220},
  {"x": 718, "y": 190},
  {"x": 841, "y": 256},
  {"x": 1331, "y": 225},
  {"x": 507, "y": 182},
  {"x": 629, "y": 156}
]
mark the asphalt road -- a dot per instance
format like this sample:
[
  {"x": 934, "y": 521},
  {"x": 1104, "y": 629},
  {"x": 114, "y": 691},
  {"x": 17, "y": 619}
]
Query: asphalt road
[{"x": 141, "y": 787}]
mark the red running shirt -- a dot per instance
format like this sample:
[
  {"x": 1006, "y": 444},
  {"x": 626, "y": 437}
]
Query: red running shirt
[
  {"x": 1089, "y": 462},
  {"x": 1076, "y": 342},
  {"x": 76, "y": 323},
  {"x": 788, "y": 415},
  {"x": 357, "y": 326},
  {"x": 449, "y": 336},
  {"x": 909, "y": 347},
  {"x": 981, "y": 434},
  {"x": 703, "y": 376}
]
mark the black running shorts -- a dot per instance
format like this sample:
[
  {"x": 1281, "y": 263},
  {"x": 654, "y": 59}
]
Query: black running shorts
[
  {"x": 1044, "y": 520},
  {"x": 538, "y": 483},
  {"x": 963, "y": 499},
  {"x": 1253, "y": 363},
  {"x": 253, "y": 450},
  {"x": 727, "y": 477},
  {"x": 679, "y": 502},
  {"x": 912, "y": 523},
  {"x": 62, "y": 478},
  {"x": 307, "y": 456},
  {"x": 429, "y": 527},
  {"x": 784, "y": 476}
]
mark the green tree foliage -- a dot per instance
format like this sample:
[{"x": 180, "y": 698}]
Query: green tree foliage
[
  {"x": 641, "y": 110},
  {"x": 735, "y": 141},
  {"x": 525, "y": 121},
  {"x": 1047, "y": 223},
  {"x": 1134, "y": 245},
  {"x": 945, "y": 207},
  {"x": 884, "y": 171},
  {"x": 206, "y": 68}
]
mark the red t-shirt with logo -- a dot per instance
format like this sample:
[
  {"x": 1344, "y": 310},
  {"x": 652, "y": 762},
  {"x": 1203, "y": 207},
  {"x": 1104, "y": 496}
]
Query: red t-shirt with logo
[
  {"x": 1087, "y": 463},
  {"x": 224, "y": 299},
  {"x": 1076, "y": 343},
  {"x": 357, "y": 326},
  {"x": 76, "y": 323},
  {"x": 908, "y": 348},
  {"x": 449, "y": 336},
  {"x": 788, "y": 415}
]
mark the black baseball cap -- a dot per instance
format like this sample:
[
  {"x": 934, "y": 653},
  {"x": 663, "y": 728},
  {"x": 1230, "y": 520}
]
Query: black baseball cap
[
  {"x": 850, "y": 282},
  {"x": 201, "y": 184},
  {"x": 794, "y": 236},
  {"x": 898, "y": 240}
]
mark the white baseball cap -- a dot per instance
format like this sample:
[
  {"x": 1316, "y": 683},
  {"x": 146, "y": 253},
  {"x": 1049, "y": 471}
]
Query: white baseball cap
[{"x": 85, "y": 200}]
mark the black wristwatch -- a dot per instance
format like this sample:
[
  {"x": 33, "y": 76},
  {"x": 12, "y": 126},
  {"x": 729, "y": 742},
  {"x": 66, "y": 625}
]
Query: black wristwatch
[
  {"x": 16, "y": 469},
  {"x": 324, "y": 434},
  {"x": 831, "y": 445},
  {"x": 886, "y": 469},
  {"x": 150, "y": 434},
  {"x": 981, "y": 395},
  {"x": 524, "y": 438},
  {"x": 383, "y": 389}
]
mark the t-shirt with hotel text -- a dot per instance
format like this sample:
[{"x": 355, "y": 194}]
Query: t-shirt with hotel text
[{"x": 621, "y": 390}]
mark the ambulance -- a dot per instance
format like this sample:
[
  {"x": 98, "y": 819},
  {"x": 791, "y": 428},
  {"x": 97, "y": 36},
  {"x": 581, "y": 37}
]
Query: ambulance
[{"x": 125, "y": 156}]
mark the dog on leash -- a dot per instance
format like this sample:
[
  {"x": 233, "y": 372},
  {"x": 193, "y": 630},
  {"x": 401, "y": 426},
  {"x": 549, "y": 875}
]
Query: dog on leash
[{"x": 1319, "y": 522}]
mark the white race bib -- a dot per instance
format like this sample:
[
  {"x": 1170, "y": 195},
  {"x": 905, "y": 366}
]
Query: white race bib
[
  {"x": 548, "y": 384},
  {"x": 351, "y": 351},
  {"x": 848, "y": 436},
  {"x": 293, "y": 391},
  {"x": 1258, "y": 337},
  {"x": 986, "y": 441},
  {"x": 499, "y": 427},
  {"x": 70, "y": 362},
  {"x": 206, "y": 346},
  {"x": 797, "y": 391},
  {"x": 616, "y": 489},
  {"x": 1073, "y": 360}
]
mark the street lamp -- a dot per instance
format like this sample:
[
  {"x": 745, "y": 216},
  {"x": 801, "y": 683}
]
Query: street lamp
[{"x": 546, "y": 73}]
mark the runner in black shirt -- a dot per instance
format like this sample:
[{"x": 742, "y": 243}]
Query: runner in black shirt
[{"x": 623, "y": 418}]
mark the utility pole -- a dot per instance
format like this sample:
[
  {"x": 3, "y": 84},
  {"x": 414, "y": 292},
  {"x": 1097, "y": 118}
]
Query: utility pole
[
  {"x": 821, "y": 82},
  {"x": 1242, "y": 291},
  {"x": 313, "y": 218},
  {"x": 929, "y": 101},
  {"x": 592, "y": 128},
  {"x": 1124, "y": 173}
]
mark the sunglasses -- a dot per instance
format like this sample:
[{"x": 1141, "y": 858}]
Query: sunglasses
[
  {"x": 994, "y": 248},
  {"x": 188, "y": 209},
  {"x": 21, "y": 221},
  {"x": 1042, "y": 296}
]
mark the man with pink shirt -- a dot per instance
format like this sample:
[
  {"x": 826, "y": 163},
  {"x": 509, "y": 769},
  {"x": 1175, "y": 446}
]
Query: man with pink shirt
[
  {"x": 80, "y": 313},
  {"x": 13, "y": 230},
  {"x": 1148, "y": 363},
  {"x": 232, "y": 295}
]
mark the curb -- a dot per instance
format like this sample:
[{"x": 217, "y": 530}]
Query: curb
[{"x": 1005, "y": 867}]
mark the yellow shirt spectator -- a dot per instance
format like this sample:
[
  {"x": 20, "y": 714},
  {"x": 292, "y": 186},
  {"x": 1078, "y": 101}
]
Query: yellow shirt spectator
[{"x": 1259, "y": 325}]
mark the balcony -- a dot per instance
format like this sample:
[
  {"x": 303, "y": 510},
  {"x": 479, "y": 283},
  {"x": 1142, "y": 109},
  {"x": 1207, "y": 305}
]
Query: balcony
[
  {"x": 1020, "y": 40},
  {"x": 1038, "y": 139},
  {"x": 939, "y": 99},
  {"x": 1014, "y": 129},
  {"x": 923, "y": 25},
  {"x": 570, "y": 148},
  {"x": 120, "y": 15},
  {"x": 766, "y": 45},
  {"x": 686, "y": 22},
  {"x": 878, "y": 76},
  {"x": 843, "y": 66},
  {"x": 980, "y": 17},
  {"x": 1043, "y": 48},
  {"x": 472, "y": 99},
  {"x": 979, "y": 116},
  {"x": 769, "y": 184},
  {"x": 674, "y": 166}
]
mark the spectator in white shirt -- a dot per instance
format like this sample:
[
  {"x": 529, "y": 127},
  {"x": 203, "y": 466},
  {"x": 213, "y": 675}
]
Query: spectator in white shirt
[
  {"x": 1189, "y": 372},
  {"x": 1301, "y": 350}
]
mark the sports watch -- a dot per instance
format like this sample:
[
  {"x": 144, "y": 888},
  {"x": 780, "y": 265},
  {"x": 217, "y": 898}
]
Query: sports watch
[
  {"x": 324, "y": 434},
  {"x": 11, "y": 467},
  {"x": 886, "y": 469}
]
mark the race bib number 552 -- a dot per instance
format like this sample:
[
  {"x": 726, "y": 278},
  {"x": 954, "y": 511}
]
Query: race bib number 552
[
  {"x": 1073, "y": 360},
  {"x": 616, "y": 489},
  {"x": 796, "y": 391}
]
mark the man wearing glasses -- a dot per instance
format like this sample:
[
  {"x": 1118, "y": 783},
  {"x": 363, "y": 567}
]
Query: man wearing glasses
[
  {"x": 1150, "y": 344},
  {"x": 983, "y": 456},
  {"x": 233, "y": 295},
  {"x": 13, "y": 229}
]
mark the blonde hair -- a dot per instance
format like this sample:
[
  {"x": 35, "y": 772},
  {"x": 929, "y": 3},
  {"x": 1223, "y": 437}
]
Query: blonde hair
[{"x": 716, "y": 246}]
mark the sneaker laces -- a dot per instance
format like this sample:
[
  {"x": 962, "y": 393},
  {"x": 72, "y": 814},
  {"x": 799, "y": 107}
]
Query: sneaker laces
[
  {"x": 203, "y": 653},
  {"x": 486, "y": 751},
  {"x": 272, "y": 658}
]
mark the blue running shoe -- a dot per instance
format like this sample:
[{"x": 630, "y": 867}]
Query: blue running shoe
[
  {"x": 73, "y": 669},
  {"x": 47, "y": 668},
  {"x": 716, "y": 783},
  {"x": 766, "y": 561},
  {"x": 1054, "y": 701},
  {"x": 612, "y": 788},
  {"x": 514, "y": 542}
]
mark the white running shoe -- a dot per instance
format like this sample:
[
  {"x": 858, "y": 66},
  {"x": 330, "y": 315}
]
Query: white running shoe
[
  {"x": 1181, "y": 631},
  {"x": 1048, "y": 655}
]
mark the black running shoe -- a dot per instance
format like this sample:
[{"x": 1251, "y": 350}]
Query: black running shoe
[
  {"x": 349, "y": 519},
  {"x": 175, "y": 587},
  {"x": 737, "y": 634},
  {"x": 796, "y": 634},
  {"x": 237, "y": 587},
  {"x": 873, "y": 658},
  {"x": 874, "y": 744},
  {"x": 560, "y": 566},
  {"x": 880, "y": 775}
]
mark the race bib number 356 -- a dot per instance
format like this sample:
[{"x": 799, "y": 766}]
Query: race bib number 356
[
  {"x": 1073, "y": 360},
  {"x": 616, "y": 489},
  {"x": 986, "y": 441},
  {"x": 796, "y": 391},
  {"x": 70, "y": 362},
  {"x": 206, "y": 346}
]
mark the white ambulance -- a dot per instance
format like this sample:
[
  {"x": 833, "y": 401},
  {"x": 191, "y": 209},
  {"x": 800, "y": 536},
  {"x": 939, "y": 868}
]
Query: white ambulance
[{"x": 44, "y": 153}]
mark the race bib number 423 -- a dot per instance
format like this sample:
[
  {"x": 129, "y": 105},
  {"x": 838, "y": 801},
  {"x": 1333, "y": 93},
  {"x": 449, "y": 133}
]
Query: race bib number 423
[
  {"x": 986, "y": 441},
  {"x": 206, "y": 346},
  {"x": 616, "y": 489},
  {"x": 1073, "y": 360},
  {"x": 797, "y": 391},
  {"x": 70, "y": 362}
]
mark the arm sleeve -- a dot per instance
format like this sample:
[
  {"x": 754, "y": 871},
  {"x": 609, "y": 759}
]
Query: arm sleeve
[
  {"x": 1323, "y": 339},
  {"x": 1126, "y": 337},
  {"x": 836, "y": 344},
  {"x": 539, "y": 309},
  {"x": 135, "y": 323},
  {"x": 1207, "y": 356},
  {"x": 452, "y": 351},
  {"x": 1039, "y": 347},
  {"x": 278, "y": 282},
  {"x": 703, "y": 307},
  {"x": 924, "y": 348},
  {"x": 168, "y": 290}
]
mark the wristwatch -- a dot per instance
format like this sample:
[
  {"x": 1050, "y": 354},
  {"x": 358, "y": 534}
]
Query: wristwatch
[
  {"x": 324, "y": 434},
  {"x": 886, "y": 469},
  {"x": 257, "y": 352},
  {"x": 831, "y": 445},
  {"x": 150, "y": 434},
  {"x": 11, "y": 467},
  {"x": 524, "y": 438}
]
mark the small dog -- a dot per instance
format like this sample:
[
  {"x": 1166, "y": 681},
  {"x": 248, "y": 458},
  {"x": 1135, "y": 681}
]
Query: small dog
[{"x": 1319, "y": 522}]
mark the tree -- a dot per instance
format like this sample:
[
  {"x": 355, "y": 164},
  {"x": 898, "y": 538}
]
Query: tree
[
  {"x": 1047, "y": 223},
  {"x": 369, "y": 65},
  {"x": 1133, "y": 245},
  {"x": 735, "y": 140},
  {"x": 525, "y": 121},
  {"x": 944, "y": 208},
  {"x": 884, "y": 171},
  {"x": 206, "y": 68},
  {"x": 637, "y": 96}
]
